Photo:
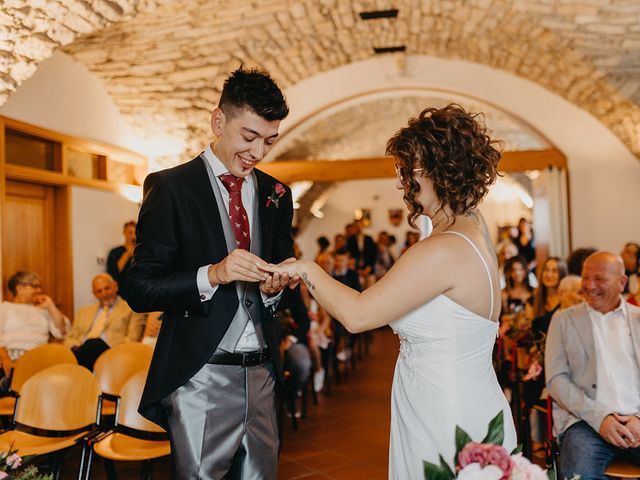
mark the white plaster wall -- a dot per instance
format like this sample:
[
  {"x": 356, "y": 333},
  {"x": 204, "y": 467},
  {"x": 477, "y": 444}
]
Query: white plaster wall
[
  {"x": 63, "y": 96},
  {"x": 604, "y": 175},
  {"x": 97, "y": 217}
]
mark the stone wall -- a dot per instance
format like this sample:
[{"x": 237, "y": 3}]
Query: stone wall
[{"x": 164, "y": 62}]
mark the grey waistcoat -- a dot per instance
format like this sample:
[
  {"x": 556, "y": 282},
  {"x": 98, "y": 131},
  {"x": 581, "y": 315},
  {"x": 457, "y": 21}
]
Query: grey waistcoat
[{"x": 248, "y": 292}]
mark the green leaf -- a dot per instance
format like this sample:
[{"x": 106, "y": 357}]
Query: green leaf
[
  {"x": 445, "y": 466},
  {"x": 495, "y": 435},
  {"x": 435, "y": 472},
  {"x": 518, "y": 449},
  {"x": 462, "y": 438}
]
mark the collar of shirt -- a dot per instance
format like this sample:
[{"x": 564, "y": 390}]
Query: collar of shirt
[
  {"x": 218, "y": 168},
  {"x": 620, "y": 309},
  {"x": 109, "y": 307}
]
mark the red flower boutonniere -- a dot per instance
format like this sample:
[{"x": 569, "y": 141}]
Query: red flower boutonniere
[{"x": 277, "y": 193}]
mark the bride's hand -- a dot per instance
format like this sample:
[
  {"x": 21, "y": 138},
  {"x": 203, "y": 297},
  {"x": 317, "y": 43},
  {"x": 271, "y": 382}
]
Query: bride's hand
[{"x": 290, "y": 267}]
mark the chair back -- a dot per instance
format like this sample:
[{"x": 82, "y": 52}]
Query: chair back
[
  {"x": 130, "y": 400},
  {"x": 115, "y": 366},
  {"x": 62, "y": 397},
  {"x": 38, "y": 359}
]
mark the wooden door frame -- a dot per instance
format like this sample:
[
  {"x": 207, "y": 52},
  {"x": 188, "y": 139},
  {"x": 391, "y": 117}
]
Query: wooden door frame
[{"x": 62, "y": 276}]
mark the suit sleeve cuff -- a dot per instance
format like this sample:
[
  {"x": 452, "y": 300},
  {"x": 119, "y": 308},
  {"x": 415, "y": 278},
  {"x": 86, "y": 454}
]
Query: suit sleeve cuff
[
  {"x": 271, "y": 302},
  {"x": 205, "y": 289}
]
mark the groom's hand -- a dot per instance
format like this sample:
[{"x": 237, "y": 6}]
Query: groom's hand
[
  {"x": 274, "y": 283},
  {"x": 239, "y": 265},
  {"x": 280, "y": 277}
]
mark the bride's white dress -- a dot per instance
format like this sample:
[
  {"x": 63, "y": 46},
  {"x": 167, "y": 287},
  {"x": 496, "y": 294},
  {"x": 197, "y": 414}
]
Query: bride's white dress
[{"x": 444, "y": 377}]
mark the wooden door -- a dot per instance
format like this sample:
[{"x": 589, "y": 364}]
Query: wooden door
[{"x": 34, "y": 232}]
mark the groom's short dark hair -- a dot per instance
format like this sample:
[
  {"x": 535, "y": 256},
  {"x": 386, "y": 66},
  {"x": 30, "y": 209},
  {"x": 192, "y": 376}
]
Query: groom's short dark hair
[{"x": 256, "y": 90}]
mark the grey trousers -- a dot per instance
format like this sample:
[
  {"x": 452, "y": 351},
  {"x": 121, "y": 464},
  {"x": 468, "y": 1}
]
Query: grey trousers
[{"x": 222, "y": 424}]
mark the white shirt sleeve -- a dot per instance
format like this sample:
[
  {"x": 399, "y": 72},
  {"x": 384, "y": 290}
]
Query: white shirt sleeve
[
  {"x": 205, "y": 289},
  {"x": 270, "y": 301},
  {"x": 55, "y": 331}
]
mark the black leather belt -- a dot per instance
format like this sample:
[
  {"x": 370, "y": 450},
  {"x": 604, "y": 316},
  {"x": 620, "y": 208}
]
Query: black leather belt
[{"x": 244, "y": 359}]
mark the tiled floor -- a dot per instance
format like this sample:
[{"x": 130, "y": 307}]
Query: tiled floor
[{"x": 345, "y": 436}]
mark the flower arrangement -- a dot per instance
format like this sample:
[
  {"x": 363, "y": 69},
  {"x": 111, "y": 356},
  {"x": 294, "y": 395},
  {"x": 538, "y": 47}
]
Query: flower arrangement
[
  {"x": 277, "y": 193},
  {"x": 487, "y": 460},
  {"x": 10, "y": 464}
]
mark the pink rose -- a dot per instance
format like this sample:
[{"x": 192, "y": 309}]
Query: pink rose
[
  {"x": 485, "y": 454},
  {"x": 279, "y": 189},
  {"x": 14, "y": 461},
  {"x": 534, "y": 371},
  {"x": 3, "y": 475},
  {"x": 523, "y": 469}
]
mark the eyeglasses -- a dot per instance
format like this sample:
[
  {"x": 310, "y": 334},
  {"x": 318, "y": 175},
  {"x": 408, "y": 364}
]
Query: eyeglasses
[{"x": 399, "y": 172}]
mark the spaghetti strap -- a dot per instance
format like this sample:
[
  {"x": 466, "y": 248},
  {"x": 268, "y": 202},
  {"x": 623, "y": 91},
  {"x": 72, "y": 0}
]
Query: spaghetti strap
[{"x": 486, "y": 267}]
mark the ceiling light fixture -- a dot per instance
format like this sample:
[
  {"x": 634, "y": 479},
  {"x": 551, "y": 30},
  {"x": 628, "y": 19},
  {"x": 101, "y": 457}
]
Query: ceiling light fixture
[
  {"x": 376, "y": 14},
  {"x": 381, "y": 50}
]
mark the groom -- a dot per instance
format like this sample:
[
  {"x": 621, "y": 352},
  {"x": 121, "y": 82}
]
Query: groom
[{"x": 203, "y": 230}]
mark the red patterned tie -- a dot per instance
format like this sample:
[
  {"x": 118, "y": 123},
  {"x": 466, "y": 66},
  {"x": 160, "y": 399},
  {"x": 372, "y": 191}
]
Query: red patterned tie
[{"x": 237, "y": 213}]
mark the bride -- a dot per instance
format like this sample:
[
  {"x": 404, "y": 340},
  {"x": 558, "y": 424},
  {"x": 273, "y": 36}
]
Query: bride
[{"x": 442, "y": 297}]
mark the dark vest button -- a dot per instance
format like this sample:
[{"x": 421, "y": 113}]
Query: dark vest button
[{"x": 248, "y": 303}]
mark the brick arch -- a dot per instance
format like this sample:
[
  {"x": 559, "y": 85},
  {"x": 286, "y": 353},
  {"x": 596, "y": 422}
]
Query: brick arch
[{"x": 160, "y": 59}]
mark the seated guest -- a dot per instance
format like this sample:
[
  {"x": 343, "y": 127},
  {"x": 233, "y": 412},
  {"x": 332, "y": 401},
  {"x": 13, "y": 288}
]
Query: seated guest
[
  {"x": 120, "y": 258},
  {"x": 363, "y": 250},
  {"x": 385, "y": 258},
  {"x": 570, "y": 292},
  {"x": 297, "y": 358},
  {"x": 546, "y": 298},
  {"x": 518, "y": 290},
  {"x": 105, "y": 324},
  {"x": 576, "y": 258},
  {"x": 349, "y": 277},
  {"x": 593, "y": 373},
  {"x": 631, "y": 257},
  {"x": 28, "y": 321}
]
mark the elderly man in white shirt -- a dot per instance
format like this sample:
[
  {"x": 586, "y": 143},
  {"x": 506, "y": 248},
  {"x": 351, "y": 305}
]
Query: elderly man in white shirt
[{"x": 592, "y": 361}]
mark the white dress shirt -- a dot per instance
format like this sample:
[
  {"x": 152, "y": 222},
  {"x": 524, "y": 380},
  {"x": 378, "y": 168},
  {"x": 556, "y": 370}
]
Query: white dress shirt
[
  {"x": 24, "y": 326},
  {"x": 249, "y": 340},
  {"x": 618, "y": 375}
]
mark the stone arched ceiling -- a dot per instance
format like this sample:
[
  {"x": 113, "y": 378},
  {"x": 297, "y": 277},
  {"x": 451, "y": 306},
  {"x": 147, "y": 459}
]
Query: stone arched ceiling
[
  {"x": 163, "y": 61},
  {"x": 361, "y": 131}
]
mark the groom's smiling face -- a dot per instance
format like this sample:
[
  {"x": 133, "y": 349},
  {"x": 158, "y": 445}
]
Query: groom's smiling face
[{"x": 243, "y": 138}]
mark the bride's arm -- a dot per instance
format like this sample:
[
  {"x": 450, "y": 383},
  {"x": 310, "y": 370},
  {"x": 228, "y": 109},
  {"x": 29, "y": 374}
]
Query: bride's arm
[{"x": 424, "y": 271}]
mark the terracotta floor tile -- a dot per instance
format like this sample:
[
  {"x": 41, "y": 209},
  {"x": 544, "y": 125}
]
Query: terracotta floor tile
[
  {"x": 325, "y": 460},
  {"x": 288, "y": 470},
  {"x": 358, "y": 471}
]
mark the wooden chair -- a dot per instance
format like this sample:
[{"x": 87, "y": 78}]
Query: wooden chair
[
  {"x": 56, "y": 408},
  {"x": 115, "y": 367},
  {"x": 622, "y": 469},
  {"x": 617, "y": 469},
  {"x": 29, "y": 364},
  {"x": 134, "y": 437}
]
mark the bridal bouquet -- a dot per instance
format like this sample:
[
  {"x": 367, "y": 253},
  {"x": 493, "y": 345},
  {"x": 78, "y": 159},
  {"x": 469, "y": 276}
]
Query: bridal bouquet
[
  {"x": 10, "y": 467},
  {"x": 488, "y": 460}
]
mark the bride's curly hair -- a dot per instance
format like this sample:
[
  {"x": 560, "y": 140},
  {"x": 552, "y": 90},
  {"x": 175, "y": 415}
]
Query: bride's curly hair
[{"x": 456, "y": 153}]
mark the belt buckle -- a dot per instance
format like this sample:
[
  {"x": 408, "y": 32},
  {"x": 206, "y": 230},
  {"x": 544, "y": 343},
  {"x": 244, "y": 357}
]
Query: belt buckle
[{"x": 247, "y": 358}]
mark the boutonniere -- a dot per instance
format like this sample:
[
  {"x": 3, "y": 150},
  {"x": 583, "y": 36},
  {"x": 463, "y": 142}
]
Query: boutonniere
[{"x": 277, "y": 193}]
